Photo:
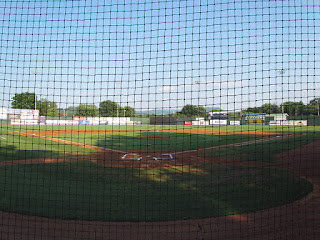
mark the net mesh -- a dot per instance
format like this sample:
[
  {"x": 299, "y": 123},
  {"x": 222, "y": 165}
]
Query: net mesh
[{"x": 154, "y": 119}]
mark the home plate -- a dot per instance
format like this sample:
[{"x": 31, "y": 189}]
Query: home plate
[{"x": 132, "y": 156}]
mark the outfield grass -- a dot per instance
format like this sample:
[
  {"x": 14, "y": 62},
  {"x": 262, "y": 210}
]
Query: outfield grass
[
  {"x": 17, "y": 147},
  {"x": 85, "y": 191},
  {"x": 253, "y": 128},
  {"x": 168, "y": 141}
]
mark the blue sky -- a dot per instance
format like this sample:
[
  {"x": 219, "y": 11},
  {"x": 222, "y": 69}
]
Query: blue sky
[{"x": 153, "y": 54}]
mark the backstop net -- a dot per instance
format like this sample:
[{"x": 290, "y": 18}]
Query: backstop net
[{"x": 159, "y": 119}]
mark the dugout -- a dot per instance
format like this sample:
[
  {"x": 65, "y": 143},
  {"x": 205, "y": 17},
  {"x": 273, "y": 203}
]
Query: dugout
[{"x": 163, "y": 121}]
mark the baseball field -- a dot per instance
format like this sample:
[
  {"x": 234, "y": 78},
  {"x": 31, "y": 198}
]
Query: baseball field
[{"x": 148, "y": 173}]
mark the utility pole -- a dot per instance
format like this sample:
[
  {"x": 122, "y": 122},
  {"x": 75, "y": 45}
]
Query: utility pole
[
  {"x": 35, "y": 85},
  {"x": 35, "y": 99},
  {"x": 282, "y": 72},
  {"x": 117, "y": 110}
]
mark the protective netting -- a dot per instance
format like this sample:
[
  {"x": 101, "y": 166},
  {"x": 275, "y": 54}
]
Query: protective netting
[{"x": 158, "y": 119}]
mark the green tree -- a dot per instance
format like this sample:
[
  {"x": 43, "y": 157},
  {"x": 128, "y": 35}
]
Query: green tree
[
  {"x": 127, "y": 112},
  {"x": 294, "y": 108},
  {"x": 253, "y": 110},
  {"x": 109, "y": 109},
  {"x": 179, "y": 115},
  {"x": 234, "y": 114},
  {"x": 87, "y": 110},
  {"x": 316, "y": 105},
  {"x": 194, "y": 111},
  {"x": 269, "y": 108},
  {"x": 47, "y": 108},
  {"x": 70, "y": 111},
  {"x": 24, "y": 100}
]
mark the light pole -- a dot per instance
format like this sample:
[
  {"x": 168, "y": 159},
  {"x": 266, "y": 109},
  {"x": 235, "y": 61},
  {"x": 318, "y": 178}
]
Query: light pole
[
  {"x": 117, "y": 110},
  {"x": 35, "y": 85},
  {"x": 198, "y": 100},
  {"x": 116, "y": 83},
  {"x": 35, "y": 99},
  {"x": 282, "y": 72}
]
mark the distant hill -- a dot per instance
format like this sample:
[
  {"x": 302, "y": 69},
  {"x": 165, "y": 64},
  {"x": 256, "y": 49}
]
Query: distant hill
[
  {"x": 167, "y": 111},
  {"x": 209, "y": 109},
  {"x": 157, "y": 111}
]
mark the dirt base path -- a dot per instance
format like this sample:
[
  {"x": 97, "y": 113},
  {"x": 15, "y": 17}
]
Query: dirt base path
[{"x": 298, "y": 220}]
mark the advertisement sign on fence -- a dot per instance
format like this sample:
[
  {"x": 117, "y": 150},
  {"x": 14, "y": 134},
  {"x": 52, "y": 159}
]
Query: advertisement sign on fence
[
  {"x": 289, "y": 123},
  {"x": 3, "y": 113},
  {"x": 187, "y": 122},
  {"x": 62, "y": 122},
  {"x": 234, "y": 122},
  {"x": 78, "y": 118},
  {"x": 84, "y": 122},
  {"x": 23, "y": 122},
  {"x": 35, "y": 114},
  {"x": 42, "y": 120},
  {"x": 218, "y": 122},
  {"x": 200, "y": 122}
]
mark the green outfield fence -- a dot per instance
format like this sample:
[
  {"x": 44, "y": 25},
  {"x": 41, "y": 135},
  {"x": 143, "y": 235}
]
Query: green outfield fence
[{"x": 159, "y": 119}]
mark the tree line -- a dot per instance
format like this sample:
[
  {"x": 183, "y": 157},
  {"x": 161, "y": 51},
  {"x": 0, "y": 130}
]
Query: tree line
[
  {"x": 49, "y": 108},
  {"x": 291, "y": 108},
  {"x": 112, "y": 109}
]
